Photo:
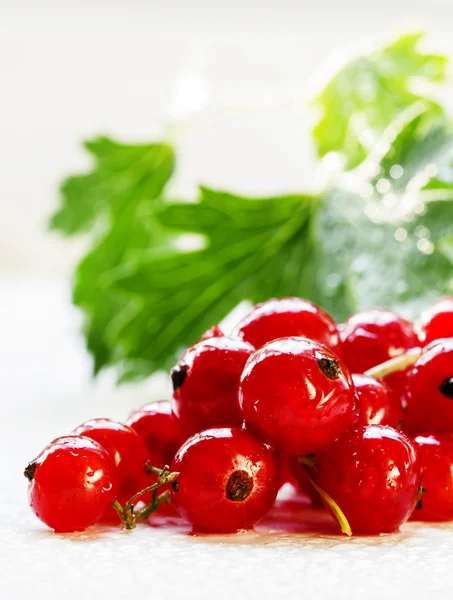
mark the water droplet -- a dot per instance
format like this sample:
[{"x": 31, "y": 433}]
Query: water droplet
[
  {"x": 400, "y": 234},
  {"x": 396, "y": 172},
  {"x": 383, "y": 186},
  {"x": 422, "y": 232},
  {"x": 425, "y": 246}
]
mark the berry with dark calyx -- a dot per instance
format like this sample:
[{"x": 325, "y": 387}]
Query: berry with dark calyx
[
  {"x": 372, "y": 337},
  {"x": 373, "y": 474},
  {"x": 297, "y": 395},
  {"x": 205, "y": 384},
  {"x": 436, "y": 322},
  {"x": 227, "y": 481},
  {"x": 71, "y": 483},
  {"x": 163, "y": 435},
  {"x": 430, "y": 390},
  {"x": 435, "y": 451},
  {"x": 129, "y": 454},
  {"x": 379, "y": 403},
  {"x": 288, "y": 317}
]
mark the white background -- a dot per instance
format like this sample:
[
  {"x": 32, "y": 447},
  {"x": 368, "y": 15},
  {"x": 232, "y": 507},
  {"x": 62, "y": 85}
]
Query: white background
[{"x": 233, "y": 76}]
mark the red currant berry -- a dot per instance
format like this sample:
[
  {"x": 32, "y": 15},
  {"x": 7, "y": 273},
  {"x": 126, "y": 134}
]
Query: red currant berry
[
  {"x": 128, "y": 451},
  {"x": 227, "y": 482},
  {"x": 430, "y": 390},
  {"x": 72, "y": 483},
  {"x": 373, "y": 474},
  {"x": 373, "y": 336},
  {"x": 435, "y": 452},
  {"x": 297, "y": 395},
  {"x": 160, "y": 430},
  {"x": 379, "y": 403},
  {"x": 436, "y": 322},
  {"x": 288, "y": 317},
  {"x": 205, "y": 384}
]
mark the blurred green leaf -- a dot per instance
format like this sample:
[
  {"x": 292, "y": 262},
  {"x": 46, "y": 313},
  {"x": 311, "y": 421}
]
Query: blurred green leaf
[
  {"x": 254, "y": 248},
  {"x": 119, "y": 197},
  {"x": 121, "y": 171},
  {"x": 369, "y": 92}
]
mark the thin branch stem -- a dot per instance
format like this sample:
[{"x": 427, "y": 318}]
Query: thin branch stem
[
  {"x": 395, "y": 364},
  {"x": 127, "y": 514}
]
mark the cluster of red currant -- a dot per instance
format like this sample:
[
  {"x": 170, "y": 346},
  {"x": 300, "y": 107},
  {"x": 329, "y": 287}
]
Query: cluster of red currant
[{"x": 272, "y": 402}]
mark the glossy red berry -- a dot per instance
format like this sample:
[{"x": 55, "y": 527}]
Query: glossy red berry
[
  {"x": 436, "y": 322},
  {"x": 205, "y": 384},
  {"x": 129, "y": 454},
  {"x": 297, "y": 395},
  {"x": 430, "y": 390},
  {"x": 379, "y": 403},
  {"x": 373, "y": 474},
  {"x": 435, "y": 451},
  {"x": 288, "y": 317},
  {"x": 161, "y": 431},
  {"x": 227, "y": 482},
  {"x": 373, "y": 336},
  {"x": 72, "y": 483}
]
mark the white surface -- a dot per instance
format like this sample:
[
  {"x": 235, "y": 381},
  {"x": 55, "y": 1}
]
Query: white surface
[{"x": 46, "y": 391}]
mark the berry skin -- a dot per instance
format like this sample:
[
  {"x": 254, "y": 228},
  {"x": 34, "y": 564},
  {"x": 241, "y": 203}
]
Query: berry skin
[
  {"x": 227, "y": 482},
  {"x": 372, "y": 472},
  {"x": 436, "y": 322},
  {"x": 160, "y": 430},
  {"x": 297, "y": 395},
  {"x": 288, "y": 317},
  {"x": 72, "y": 483},
  {"x": 430, "y": 390},
  {"x": 129, "y": 454},
  {"x": 379, "y": 403},
  {"x": 435, "y": 452},
  {"x": 205, "y": 384},
  {"x": 373, "y": 336}
]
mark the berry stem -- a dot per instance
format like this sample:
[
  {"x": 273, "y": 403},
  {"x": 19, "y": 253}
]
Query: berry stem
[
  {"x": 338, "y": 513},
  {"x": 398, "y": 363},
  {"x": 308, "y": 462},
  {"x": 151, "y": 469},
  {"x": 164, "y": 498},
  {"x": 127, "y": 514}
]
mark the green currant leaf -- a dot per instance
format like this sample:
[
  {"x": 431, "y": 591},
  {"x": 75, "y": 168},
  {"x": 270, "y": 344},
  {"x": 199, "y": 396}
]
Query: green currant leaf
[
  {"x": 115, "y": 201},
  {"x": 369, "y": 92},
  {"x": 252, "y": 249}
]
